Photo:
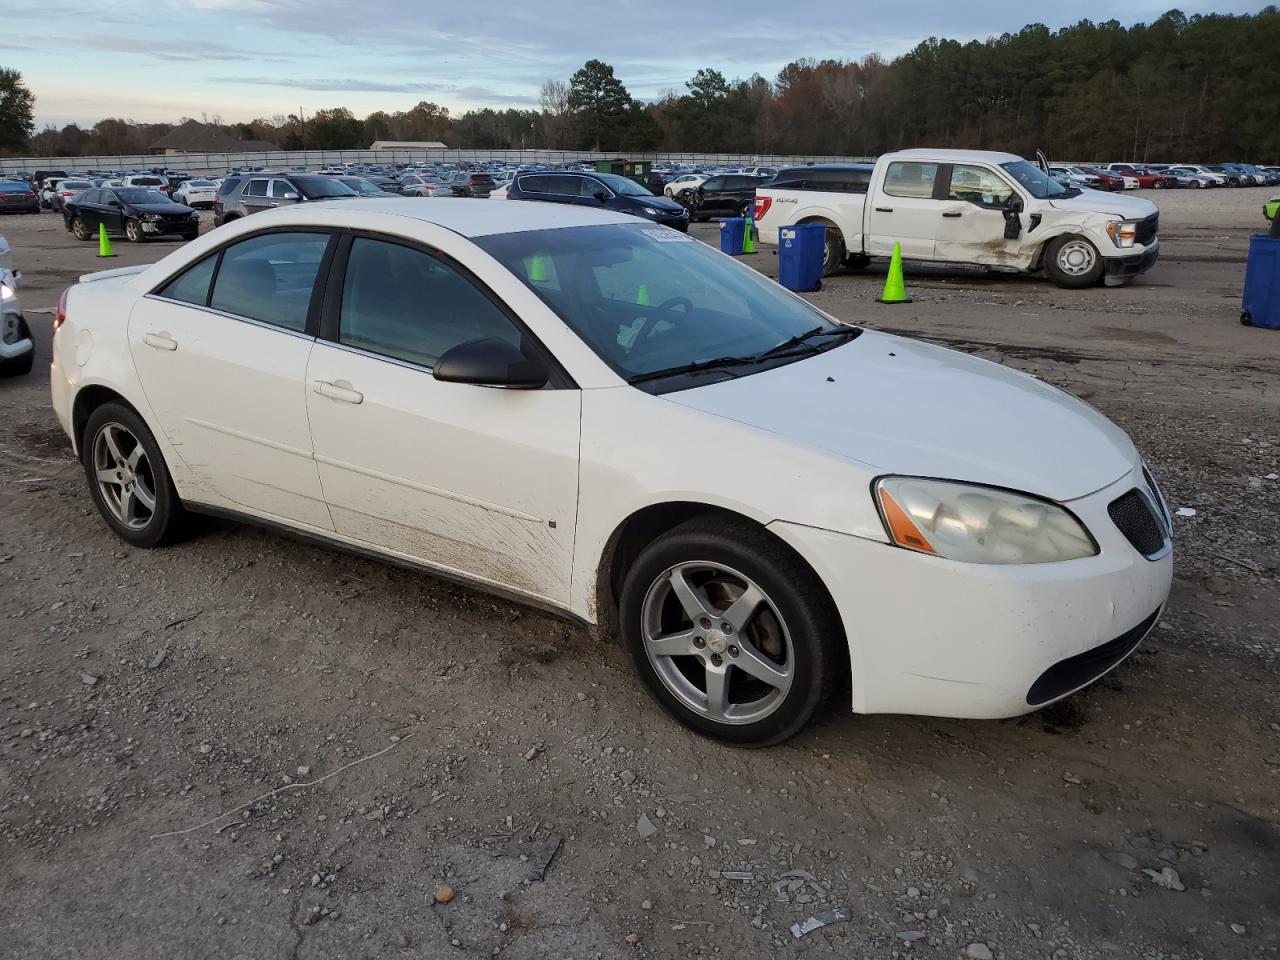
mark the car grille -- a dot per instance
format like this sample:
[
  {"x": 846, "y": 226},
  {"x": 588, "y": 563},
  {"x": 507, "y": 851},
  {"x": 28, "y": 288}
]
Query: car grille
[
  {"x": 1074, "y": 672},
  {"x": 1147, "y": 228},
  {"x": 1134, "y": 516}
]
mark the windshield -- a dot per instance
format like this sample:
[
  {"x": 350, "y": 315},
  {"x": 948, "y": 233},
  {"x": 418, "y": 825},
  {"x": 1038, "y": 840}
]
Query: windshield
[
  {"x": 140, "y": 195},
  {"x": 623, "y": 186},
  {"x": 318, "y": 188},
  {"x": 146, "y": 182},
  {"x": 1034, "y": 180},
  {"x": 647, "y": 298}
]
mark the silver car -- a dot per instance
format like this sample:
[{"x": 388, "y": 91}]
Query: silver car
[
  {"x": 426, "y": 187},
  {"x": 66, "y": 190},
  {"x": 263, "y": 191}
]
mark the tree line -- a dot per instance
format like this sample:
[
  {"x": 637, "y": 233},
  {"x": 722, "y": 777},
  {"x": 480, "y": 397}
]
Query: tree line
[{"x": 1189, "y": 88}]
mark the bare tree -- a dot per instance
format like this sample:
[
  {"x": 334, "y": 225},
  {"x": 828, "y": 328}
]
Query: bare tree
[{"x": 557, "y": 117}]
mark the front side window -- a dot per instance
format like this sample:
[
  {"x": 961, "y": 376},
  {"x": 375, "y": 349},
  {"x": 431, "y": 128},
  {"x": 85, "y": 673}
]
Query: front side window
[
  {"x": 192, "y": 286},
  {"x": 910, "y": 179},
  {"x": 980, "y": 186},
  {"x": 403, "y": 303},
  {"x": 649, "y": 299},
  {"x": 715, "y": 183},
  {"x": 281, "y": 187},
  {"x": 270, "y": 278}
]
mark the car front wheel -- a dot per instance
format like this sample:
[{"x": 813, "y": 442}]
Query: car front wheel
[
  {"x": 731, "y": 632},
  {"x": 127, "y": 476},
  {"x": 1072, "y": 262},
  {"x": 133, "y": 230}
]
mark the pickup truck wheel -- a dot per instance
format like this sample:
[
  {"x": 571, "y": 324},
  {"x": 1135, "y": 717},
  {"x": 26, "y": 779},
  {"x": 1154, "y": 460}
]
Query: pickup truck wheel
[
  {"x": 1072, "y": 262},
  {"x": 834, "y": 255}
]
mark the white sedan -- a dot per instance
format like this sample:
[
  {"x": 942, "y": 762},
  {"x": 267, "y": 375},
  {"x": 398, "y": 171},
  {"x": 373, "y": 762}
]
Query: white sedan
[
  {"x": 686, "y": 181},
  {"x": 197, "y": 193},
  {"x": 611, "y": 420}
]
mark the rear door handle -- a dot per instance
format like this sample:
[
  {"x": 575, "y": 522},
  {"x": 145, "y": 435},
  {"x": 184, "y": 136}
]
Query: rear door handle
[
  {"x": 161, "y": 341},
  {"x": 884, "y": 209},
  {"x": 957, "y": 213},
  {"x": 338, "y": 391}
]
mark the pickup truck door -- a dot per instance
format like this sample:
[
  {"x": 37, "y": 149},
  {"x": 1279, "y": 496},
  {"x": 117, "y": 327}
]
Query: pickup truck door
[
  {"x": 902, "y": 207},
  {"x": 971, "y": 221}
]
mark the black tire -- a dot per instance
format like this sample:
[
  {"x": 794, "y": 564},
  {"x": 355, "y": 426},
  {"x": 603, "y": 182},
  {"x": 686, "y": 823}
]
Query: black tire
[
  {"x": 802, "y": 606},
  {"x": 745, "y": 208},
  {"x": 167, "y": 517},
  {"x": 1072, "y": 277},
  {"x": 834, "y": 254},
  {"x": 857, "y": 261},
  {"x": 133, "y": 232},
  {"x": 79, "y": 230}
]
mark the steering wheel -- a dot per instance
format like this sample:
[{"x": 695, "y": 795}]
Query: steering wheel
[{"x": 666, "y": 306}]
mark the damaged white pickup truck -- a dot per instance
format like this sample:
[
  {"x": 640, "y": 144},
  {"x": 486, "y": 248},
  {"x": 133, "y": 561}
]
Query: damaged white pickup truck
[{"x": 964, "y": 206}]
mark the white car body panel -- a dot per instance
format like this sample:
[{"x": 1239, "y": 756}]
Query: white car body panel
[{"x": 523, "y": 491}]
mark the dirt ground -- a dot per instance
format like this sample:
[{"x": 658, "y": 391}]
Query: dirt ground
[{"x": 148, "y": 692}]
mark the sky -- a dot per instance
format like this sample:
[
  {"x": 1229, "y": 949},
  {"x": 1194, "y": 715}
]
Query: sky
[{"x": 240, "y": 59}]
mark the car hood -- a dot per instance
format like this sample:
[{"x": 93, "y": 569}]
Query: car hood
[
  {"x": 164, "y": 209},
  {"x": 905, "y": 407},
  {"x": 1098, "y": 201},
  {"x": 658, "y": 203}
]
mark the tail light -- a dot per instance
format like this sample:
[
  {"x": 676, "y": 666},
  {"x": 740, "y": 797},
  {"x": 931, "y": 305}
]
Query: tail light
[
  {"x": 60, "y": 317},
  {"x": 762, "y": 207},
  {"x": 67, "y": 193}
]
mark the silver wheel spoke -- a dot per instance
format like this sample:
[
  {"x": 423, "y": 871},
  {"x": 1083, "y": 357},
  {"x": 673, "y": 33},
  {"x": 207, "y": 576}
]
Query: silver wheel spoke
[
  {"x": 691, "y": 599},
  {"x": 673, "y": 645},
  {"x": 144, "y": 496},
  {"x": 717, "y": 693},
  {"x": 135, "y": 456},
  {"x": 741, "y": 610},
  {"x": 129, "y": 507},
  {"x": 109, "y": 435},
  {"x": 108, "y": 476},
  {"x": 752, "y": 661}
]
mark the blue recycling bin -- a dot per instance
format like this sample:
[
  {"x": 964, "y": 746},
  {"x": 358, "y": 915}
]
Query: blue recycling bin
[
  {"x": 801, "y": 250},
  {"x": 732, "y": 231},
  {"x": 1262, "y": 283}
]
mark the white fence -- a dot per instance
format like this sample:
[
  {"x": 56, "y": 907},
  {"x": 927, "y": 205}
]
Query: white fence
[{"x": 218, "y": 163}]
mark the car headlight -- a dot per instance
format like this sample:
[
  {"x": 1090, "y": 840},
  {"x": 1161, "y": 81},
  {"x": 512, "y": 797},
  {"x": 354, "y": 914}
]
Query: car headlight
[
  {"x": 152, "y": 217},
  {"x": 1123, "y": 233},
  {"x": 194, "y": 215},
  {"x": 7, "y": 292},
  {"x": 650, "y": 211},
  {"x": 976, "y": 524}
]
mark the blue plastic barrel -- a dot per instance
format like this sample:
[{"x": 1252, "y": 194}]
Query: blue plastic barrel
[
  {"x": 1262, "y": 283},
  {"x": 801, "y": 250},
  {"x": 732, "y": 230}
]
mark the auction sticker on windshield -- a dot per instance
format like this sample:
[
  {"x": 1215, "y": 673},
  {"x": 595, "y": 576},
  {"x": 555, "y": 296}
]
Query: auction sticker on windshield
[{"x": 667, "y": 235}]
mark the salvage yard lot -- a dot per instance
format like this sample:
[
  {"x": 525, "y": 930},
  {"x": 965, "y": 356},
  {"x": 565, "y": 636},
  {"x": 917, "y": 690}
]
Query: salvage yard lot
[{"x": 148, "y": 692}]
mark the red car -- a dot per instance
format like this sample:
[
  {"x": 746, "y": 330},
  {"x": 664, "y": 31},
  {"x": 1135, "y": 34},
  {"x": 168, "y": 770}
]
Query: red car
[
  {"x": 1109, "y": 180},
  {"x": 1149, "y": 179}
]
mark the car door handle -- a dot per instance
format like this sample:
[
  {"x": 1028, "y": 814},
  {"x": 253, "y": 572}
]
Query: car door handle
[
  {"x": 161, "y": 341},
  {"x": 338, "y": 391},
  {"x": 884, "y": 209},
  {"x": 953, "y": 214}
]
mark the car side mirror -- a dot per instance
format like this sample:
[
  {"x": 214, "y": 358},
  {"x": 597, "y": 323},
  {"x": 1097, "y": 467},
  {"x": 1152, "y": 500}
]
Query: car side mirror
[
  {"x": 1013, "y": 219},
  {"x": 113, "y": 203},
  {"x": 601, "y": 196},
  {"x": 491, "y": 363},
  {"x": 289, "y": 196}
]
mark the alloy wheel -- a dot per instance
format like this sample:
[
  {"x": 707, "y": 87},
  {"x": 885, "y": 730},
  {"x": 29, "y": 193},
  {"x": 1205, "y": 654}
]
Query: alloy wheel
[
  {"x": 718, "y": 642},
  {"x": 124, "y": 476}
]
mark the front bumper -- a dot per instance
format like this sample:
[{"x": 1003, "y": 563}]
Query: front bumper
[
  {"x": 941, "y": 638},
  {"x": 1116, "y": 270},
  {"x": 10, "y": 352}
]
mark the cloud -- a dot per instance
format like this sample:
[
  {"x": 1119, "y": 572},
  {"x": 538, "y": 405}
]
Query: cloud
[{"x": 335, "y": 85}]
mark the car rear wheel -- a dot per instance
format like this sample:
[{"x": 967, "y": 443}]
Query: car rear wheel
[
  {"x": 745, "y": 208},
  {"x": 127, "y": 476},
  {"x": 133, "y": 230},
  {"x": 731, "y": 632},
  {"x": 1072, "y": 262},
  {"x": 79, "y": 230}
]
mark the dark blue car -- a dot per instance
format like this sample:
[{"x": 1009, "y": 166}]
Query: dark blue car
[{"x": 605, "y": 190}]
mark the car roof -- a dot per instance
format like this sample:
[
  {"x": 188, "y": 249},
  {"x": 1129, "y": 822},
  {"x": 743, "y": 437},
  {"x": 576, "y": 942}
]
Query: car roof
[
  {"x": 470, "y": 217},
  {"x": 958, "y": 156}
]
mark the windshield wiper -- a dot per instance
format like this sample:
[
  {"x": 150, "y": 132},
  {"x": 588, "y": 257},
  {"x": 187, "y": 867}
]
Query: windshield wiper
[
  {"x": 691, "y": 368},
  {"x": 813, "y": 334}
]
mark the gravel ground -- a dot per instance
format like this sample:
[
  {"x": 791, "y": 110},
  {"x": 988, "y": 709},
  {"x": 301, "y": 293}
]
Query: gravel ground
[{"x": 515, "y": 761}]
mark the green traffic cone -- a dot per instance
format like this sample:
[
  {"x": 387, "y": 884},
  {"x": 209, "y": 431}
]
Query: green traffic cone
[
  {"x": 104, "y": 244},
  {"x": 748, "y": 244},
  {"x": 895, "y": 290}
]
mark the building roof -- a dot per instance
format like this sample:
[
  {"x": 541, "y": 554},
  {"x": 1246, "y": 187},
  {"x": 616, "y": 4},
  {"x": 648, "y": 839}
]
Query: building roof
[{"x": 196, "y": 137}]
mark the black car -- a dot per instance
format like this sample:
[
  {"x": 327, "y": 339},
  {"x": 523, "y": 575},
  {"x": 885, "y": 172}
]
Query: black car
[
  {"x": 726, "y": 195},
  {"x": 469, "y": 183},
  {"x": 136, "y": 212},
  {"x": 827, "y": 177},
  {"x": 606, "y": 190}
]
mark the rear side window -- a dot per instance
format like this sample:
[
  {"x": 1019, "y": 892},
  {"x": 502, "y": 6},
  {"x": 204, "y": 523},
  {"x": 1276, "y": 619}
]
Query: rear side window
[
  {"x": 406, "y": 304},
  {"x": 910, "y": 179},
  {"x": 229, "y": 185},
  {"x": 192, "y": 286},
  {"x": 533, "y": 184},
  {"x": 257, "y": 188},
  {"x": 270, "y": 278}
]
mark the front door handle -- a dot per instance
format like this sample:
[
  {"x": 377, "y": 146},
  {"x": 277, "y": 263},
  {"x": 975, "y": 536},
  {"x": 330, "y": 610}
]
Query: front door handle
[
  {"x": 884, "y": 209},
  {"x": 953, "y": 214},
  {"x": 161, "y": 341},
  {"x": 338, "y": 391}
]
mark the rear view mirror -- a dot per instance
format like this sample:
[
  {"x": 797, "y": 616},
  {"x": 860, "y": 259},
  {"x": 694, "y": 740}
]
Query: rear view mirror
[{"x": 491, "y": 363}]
